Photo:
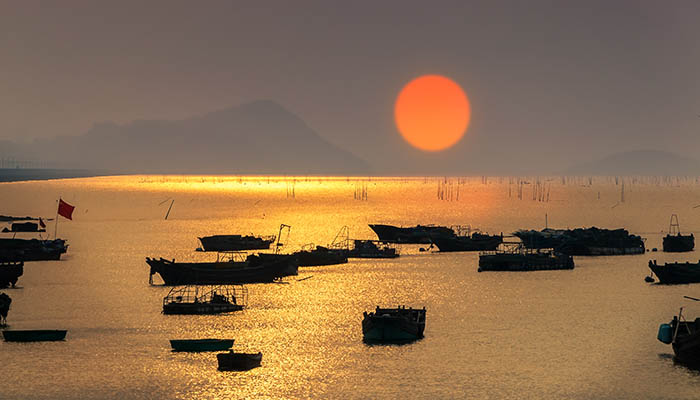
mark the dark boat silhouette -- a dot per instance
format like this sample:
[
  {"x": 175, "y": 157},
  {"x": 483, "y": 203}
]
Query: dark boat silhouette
[
  {"x": 393, "y": 324},
  {"x": 233, "y": 361},
  {"x": 315, "y": 256},
  {"x": 371, "y": 249},
  {"x": 42, "y": 335},
  {"x": 10, "y": 271},
  {"x": 419, "y": 234},
  {"x": 675, "y": 242},
  {"x": 216, "y": 299},
  {"x": 194, "y": 345},
  {"x": 235, "y": 242},
  {"x": 466, "y": 240},
  {"x": 676, "y": 273},
  {"x": 12, "y": 249},
  {"x": 683, "y": 336},
  {"x": 515, "y": 257},
  {"x": 583, "y": 241}
]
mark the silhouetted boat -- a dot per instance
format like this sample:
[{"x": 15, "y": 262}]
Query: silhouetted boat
[
  {"x": 369, "y": 249},
  {"x": 24, "y": 227},
  {"x": 201, "y": 344},
  {"x": 31, "y": 249},
  {"x": 10, "y": 271},
  {"x": 674, "y": 273},
  {"x": 674, "y": 242},
  {"x": 515, "y": 257},
  {"x": 34, "y": 335},
  {"x": 312, "y": 257},
  {"x": 235, "y": 242},
  {"x": 684, "y": 337},
  {"x": 583, "y": 241},
  {"x": 255, "y": 268},
  {"x": 465, "y": 240},
  {"x": 232, "y": 361},
  {"x": 420, "y": 234},
  {"x": 215, "y": 299},
  {"x": 393, "y": 324}
]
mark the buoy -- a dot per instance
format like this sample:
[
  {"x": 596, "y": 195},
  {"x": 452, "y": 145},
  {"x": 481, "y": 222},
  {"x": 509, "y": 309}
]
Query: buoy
[{"x": 654, "y": 249}]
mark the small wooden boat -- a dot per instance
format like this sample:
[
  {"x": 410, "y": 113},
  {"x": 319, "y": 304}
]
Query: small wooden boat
[
  {"x": 215, "y": 299},
  {"x": 232, "y": 361},
  {"x": 370, "y": 249},
  {"x": 675, "y": 273},
  {"x": 393, "y": 324},
  {"x": 34, "y": 335},
  {"x": 419, "y": 234},
  {"x": 201, "y": 344},
  {"x": 235, "y": 242},
  {"x": 683, "y": 336},
  {"x": 674, "y": 242},
  {"x": 465, "y": 239}
]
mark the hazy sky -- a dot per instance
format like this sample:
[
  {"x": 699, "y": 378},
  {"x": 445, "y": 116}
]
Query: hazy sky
[{"x": 550, "y": 82}]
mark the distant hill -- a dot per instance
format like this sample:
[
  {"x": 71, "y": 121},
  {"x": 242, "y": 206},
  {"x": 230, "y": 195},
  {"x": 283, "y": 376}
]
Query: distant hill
[
  {"x": 643, "y": 162},
  {"x": 254, "y": 138}
]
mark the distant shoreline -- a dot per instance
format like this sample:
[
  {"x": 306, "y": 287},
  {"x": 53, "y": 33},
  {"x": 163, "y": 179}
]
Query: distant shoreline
[{"x": 40, "y": 174}]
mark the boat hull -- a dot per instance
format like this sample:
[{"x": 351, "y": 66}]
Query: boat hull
[
  {"x": 256, "y": 269},
  {"x": 524, "y": 262},
  {"x": 235, "y": 243},
  {"x": 193, "y": 345},
  {"x": 238, "y": 361},
  {"x": 199, "y": 308},
  {"x": 34, "y": 335},
  {"x": 678, "y": 243},
  {"x": 412, "y": 235},
  {"x": 393, "y": 325},
  {"x": 321, "y": 257},
  {"x": 31, "y": 249},
  {"x": 676, "y": 273},
  {"x": 10, "y": 273},
  {"x": 465, "y": 243}
]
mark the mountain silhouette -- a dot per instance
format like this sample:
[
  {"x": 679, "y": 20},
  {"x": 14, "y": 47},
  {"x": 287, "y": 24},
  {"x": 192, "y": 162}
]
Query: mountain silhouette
[
  {"x": 642, "y": 162},
  {"x": 261, "y": 137}
]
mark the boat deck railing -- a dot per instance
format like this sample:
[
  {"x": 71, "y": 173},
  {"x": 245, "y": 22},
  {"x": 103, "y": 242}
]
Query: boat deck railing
[
  {"x": 517, "y": 248},
  {"x": 234, "y": 294}
]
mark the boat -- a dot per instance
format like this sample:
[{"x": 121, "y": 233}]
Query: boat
[
  {"x": 43, "y": 335},
  {"x": 5, "y": 302},
  {"x": 12, "y": 249},
  {"x": 201, "y": 344},
  {"x": 310, "y": 256},
  {"x": 372, "y": 249},
  {"x": 516, "y": 257},
  {"x": 674, "y": 242},
  {"x": 675, "y": 273},
  {"x": 583, "y": 241},
  {"x": 393, "y": 324},
  {"x": 683, "y": 336},
  {"x": 231, "y": 269},
  {"x": 236, "y": 242},
  {"x": 233, "y": 361},
  {"x": 10, "y": 271},
  {"x": 215, "y": 299},
  {"x": 419, "y": 234},
  {"x": 24, "y": 227},
  {"x": 466, "y": 240}
]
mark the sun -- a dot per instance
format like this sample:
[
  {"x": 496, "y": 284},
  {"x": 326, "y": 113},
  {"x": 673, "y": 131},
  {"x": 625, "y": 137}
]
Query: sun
[{"x": 432, "y": 113}]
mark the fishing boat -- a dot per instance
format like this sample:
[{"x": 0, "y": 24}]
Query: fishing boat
[
  {"x": 419, "y": 234},
  {"x": 310, "y": 256},
  {"x": 683, "y": 336},
  {"x": 393, "y": 324},
  {"x": 236, "y": 242},
  {"x": 516, "y": 257},
  {"x": 43, "y": 335},
  {"x": 233, "y": 361},
  {"x": 201, "y": 344},
  {"x": 675, "y": 242},
  {"x": 466, "y": 240},
  {"x": 372, "y": 249},
  {"x": 675, "y": 273},
  {"x": 10, "y": 271},
  {"x": 215, "y": 299},
  {"x": 583, "y": 241},
  {"x": 13, "y": 249},
  {"x": 228, "y": 269}
]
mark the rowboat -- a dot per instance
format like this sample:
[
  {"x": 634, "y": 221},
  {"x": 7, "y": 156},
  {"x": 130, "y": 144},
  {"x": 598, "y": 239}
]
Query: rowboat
[
  {"x": 44, "y": 335},
  {"x": 201, "y": 344}
]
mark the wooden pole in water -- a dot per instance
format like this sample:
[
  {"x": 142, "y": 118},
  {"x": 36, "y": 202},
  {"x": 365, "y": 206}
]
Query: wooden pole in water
[
  {"x": 169, "y": 208},
  {"x": 55, "y": 226}
]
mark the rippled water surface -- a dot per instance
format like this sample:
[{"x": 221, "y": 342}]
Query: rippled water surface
[{"x": 585, "y": 333}]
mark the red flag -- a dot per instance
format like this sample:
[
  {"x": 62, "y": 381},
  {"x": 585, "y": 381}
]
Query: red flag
[
  {"x": 65, "y": 210},
  {"x": 41, "y": 222}
]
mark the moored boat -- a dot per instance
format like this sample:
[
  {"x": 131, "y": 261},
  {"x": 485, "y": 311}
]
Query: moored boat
[
  {"x": 41, "y": 335},
  {"x": 233, "y": 361},
  {"x": 419, "y": 234},
  {"x": 201, "y": 344},
  {"x": 372, "y": 249},
  {"x": 255, "y": 268},
  {"x": 466, "y": 240},
  {"x": 393, "y": 324},
  {"x": 515, "y": 257},
  {"x": 235, "y": 242},
  {"x": 311, "y": 256},
  {"x": 10, "y": 271},
  {"x": 31, "y": 249},
  {"x": 675, "y": 242},
  {"x": 583, "y": 241},
  {"x": 676, "y": 273},
  {"x": 215, "y": 299},
  {"x": 683, "y": 336}
]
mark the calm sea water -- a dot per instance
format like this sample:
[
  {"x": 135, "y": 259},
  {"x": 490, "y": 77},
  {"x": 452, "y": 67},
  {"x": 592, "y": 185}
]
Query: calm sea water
[{"x": 585, "y": 333}]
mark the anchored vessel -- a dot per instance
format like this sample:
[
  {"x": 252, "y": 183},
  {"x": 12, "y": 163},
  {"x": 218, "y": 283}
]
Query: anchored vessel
[
  {"x": 232, "y": 361},
  {"x": 43, "y": 335},
  {"x": 393, "y": 324},
  {"x": 466, "y": 240},
  {"x": 311, "y": 257},
  {"x": 215, "y": 299},
  {"x": 31, "y": 249},
  {"x": 673, "y": 273},
  {"x": 235, "y": 242},
  {"x": 254, "y": 268},
  {"x": 419, "y": 234},
  {"x": 10, "y": 271},
  {"x": 370, "y": 249},
  {"x": 683, "y": 336},
  {"x": 515, "y": 257},
  {"x": 674, "y": 242},
  {"x": 201, "y": 344},
  {"x": 583, "y": 241}
]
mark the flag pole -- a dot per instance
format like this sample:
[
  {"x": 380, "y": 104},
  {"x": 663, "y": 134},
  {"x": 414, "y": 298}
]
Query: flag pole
[{"x": 55, "y": 228}]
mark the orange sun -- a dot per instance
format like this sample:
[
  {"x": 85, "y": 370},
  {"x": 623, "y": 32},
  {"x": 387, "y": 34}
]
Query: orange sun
[{"x": 432, "y": 112}]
